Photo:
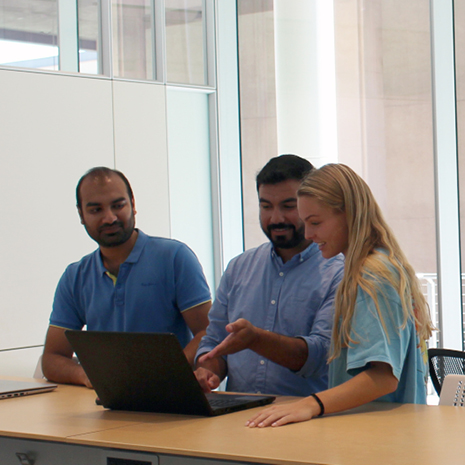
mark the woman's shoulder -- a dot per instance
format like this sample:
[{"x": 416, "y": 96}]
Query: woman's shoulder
[
  {"x": 380, "y": 270},
  {"x": 379, "y": 262}
]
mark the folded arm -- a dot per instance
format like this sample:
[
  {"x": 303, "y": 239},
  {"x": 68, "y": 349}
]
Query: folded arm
[
  {"x": 58, "y": 364},
  {"x": 196, "y": 319}
]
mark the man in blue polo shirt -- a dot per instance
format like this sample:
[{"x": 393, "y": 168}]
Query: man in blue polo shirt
[
  {"x": 132, "y": 282},
  {"x": 270, "y": 324}
]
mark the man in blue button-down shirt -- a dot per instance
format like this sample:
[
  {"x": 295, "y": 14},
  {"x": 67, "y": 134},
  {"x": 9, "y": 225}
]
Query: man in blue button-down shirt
[{"x": 270, "y": 325}]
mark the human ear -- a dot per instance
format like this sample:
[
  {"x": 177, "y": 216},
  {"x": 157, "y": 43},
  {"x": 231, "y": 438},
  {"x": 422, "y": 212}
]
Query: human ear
[{"x": 81, "y": 218}]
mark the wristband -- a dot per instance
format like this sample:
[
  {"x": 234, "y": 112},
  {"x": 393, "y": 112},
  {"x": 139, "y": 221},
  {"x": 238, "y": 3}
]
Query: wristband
[{"x": 322, "y": 407}]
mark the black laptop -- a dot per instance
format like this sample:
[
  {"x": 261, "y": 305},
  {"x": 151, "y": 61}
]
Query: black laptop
[{"x": 149, "y": 372}]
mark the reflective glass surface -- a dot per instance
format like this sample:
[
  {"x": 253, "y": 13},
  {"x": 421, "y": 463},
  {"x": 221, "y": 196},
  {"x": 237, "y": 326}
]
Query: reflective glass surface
[
  {"x": 185, "y": 41},
  {"x": 89, "y": 44},
  {"x": 133, "y": 39},
  {"x": 29, "y": 34}
]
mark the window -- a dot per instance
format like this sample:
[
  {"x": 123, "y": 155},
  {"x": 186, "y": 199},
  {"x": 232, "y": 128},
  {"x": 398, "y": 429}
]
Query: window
[{"x": 29, "y": 34}]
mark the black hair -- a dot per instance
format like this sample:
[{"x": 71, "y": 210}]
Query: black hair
[
  {"x": 101, "y": 171},
  {"x": 283, "y": 168}
]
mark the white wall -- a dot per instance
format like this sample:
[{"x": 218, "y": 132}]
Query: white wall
[{"x": 53, "y": 128}]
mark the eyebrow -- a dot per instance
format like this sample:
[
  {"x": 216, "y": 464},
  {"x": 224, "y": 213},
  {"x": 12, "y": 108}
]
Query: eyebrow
[
  {"x": 96, "y": 204},
  {"x": 290, "y": 199},
  {"x": 309, "y": 216}
]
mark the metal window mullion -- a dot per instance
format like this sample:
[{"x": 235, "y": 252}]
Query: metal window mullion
[
  {"x": 160, "y": 40},
  {"x": 209, "y": 43},
  {"x": 68, "y": 40},
  {"x": 105, "y": 39},
  {"x": 229, "y": 150}
]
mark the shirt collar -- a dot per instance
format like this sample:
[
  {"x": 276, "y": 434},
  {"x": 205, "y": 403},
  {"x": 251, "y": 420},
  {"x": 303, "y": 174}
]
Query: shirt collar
[
  {"x": 311, "y": 250},
  {"x": 133, "y": 256}
]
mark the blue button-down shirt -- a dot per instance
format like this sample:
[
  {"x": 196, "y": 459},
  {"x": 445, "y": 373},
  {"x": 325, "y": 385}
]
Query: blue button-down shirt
[{"x": 295, "y": 298}]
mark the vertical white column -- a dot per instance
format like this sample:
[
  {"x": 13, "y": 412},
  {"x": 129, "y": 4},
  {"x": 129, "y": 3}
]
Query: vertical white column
[
  {"x": 445, "y": 148},
  {"x": 305, "y": 79},
  {"x": 228, "y": 168},
  {"x": 68, "y": 40}
]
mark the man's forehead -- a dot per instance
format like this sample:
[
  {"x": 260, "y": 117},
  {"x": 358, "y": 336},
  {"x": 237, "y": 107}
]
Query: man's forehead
[
  {"x": 108, "y": 185},
  {"x": 282, "y": 191}
]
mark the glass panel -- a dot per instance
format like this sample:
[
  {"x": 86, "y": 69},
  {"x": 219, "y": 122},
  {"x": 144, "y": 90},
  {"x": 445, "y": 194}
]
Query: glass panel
[
  {"x": 28, "y": 34},
  {"x": 191, "y": 215},
  {"x": 185, "y": 41},
  {"x": 384, "y": 113},
  {"x": 395, "y": 149},
  {"x": 133, "y": 43},
  {"x": 383, "y": 73},
  {"x": 257, "y": 90},
  {"x": 89, "y": 46}
]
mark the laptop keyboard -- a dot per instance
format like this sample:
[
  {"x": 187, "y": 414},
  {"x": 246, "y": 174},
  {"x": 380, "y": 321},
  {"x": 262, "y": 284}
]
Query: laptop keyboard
[{"x": 226, "y": 400}]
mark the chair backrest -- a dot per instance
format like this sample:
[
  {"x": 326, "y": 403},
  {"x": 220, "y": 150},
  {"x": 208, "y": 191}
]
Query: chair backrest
[
  {"x": 443, "y": 362},
  {"x": 453, "y": 391}
]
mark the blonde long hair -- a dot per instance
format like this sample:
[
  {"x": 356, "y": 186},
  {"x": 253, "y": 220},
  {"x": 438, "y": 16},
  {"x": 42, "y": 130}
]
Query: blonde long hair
[{"x": 340, "y": 188}]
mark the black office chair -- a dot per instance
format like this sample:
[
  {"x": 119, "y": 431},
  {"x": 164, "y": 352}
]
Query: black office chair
[{"x": 443, "y": 362}]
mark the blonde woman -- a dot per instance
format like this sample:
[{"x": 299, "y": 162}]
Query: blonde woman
[{"x": 381, "y": 317}]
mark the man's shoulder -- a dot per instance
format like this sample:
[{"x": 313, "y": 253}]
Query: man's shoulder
[
  {"x": 84, "y": 268},
  {"x": 256, "y": 253},
  {"x": 86, "y": 260},
  {"x": 162, "y": 242}
]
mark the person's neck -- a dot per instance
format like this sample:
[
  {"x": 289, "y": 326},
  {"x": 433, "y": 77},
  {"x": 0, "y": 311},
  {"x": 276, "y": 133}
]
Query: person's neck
[
  {"x": 288, "y": 254},
  {"x": 113, "y": 257}
]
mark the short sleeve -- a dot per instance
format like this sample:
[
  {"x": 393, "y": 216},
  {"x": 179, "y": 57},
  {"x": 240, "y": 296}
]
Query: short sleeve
[
  {"x": 373, "y": 342},
  {"x": 65, "y": 313},
  {"x": 191, "y": 286}
]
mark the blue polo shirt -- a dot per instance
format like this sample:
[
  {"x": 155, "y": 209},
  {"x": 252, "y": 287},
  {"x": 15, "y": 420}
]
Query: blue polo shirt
[{"x": 159, "y": 280}]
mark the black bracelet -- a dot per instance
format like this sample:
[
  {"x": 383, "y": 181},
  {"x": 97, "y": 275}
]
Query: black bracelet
[{"x": 322, "y": 407}]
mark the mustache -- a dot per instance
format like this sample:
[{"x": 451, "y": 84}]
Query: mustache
[
  {"x": 271, "y": 227},
  {"x": 109, "y": 225}
]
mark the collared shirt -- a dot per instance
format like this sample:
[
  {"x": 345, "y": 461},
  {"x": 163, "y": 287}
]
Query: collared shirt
[
  {"x": 159, "y": 280},
  {"x": 293, "y": 299}
]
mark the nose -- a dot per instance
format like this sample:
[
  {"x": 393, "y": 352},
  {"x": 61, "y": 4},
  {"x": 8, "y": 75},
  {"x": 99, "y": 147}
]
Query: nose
[
  {"x": 309, "y": 233},
  {"x": 109, "y": 216},
  {"x": 277, "y": 216}
]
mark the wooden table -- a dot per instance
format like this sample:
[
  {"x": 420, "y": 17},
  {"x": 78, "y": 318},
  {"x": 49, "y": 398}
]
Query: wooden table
[{"x": 66, "y": 427}]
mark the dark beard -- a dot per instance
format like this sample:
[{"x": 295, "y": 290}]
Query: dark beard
[
  {"x": 117, "y": 238},
  {"x": 282, "y": 242}
]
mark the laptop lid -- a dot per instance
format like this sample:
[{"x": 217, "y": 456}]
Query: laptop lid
[
  {"x": 11, "y": 388},
  {"x": 148, "y": 372}
]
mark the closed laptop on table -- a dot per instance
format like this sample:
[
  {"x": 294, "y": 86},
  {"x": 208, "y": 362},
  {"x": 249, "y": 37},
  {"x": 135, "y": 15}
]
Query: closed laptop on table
[
  {"x": 149, "y": 372},
  {"x": 11, "y": 388}
]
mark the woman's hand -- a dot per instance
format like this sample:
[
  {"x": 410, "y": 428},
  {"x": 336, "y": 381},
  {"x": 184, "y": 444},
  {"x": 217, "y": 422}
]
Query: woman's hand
[{"x": 278, "y": 415}]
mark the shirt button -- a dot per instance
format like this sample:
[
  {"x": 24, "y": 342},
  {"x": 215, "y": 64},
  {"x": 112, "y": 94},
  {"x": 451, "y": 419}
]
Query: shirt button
[
  {"x": 262, "y": 362},
  {"x": 281, "y": 274},
  {"x": 273, "y": 302}
]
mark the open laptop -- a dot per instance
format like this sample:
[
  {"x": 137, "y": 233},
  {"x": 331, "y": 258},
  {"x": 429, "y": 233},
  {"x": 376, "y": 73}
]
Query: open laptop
[
  {"x": 11, "y": 388},
  {"x": 149, "y": 372}
]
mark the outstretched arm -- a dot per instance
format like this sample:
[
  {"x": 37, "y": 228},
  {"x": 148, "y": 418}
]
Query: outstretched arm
[
  {"x": 58, "y": 364},
  {"x": 290, "y": 352},
  {"x": 376, "y": 381}
]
